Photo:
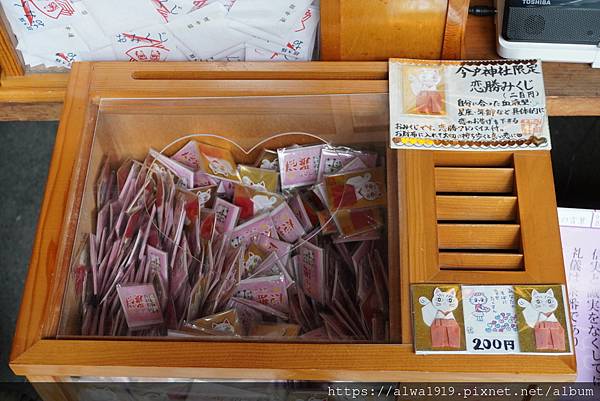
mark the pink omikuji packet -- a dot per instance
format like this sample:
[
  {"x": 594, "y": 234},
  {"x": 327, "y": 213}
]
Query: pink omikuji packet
[
  {"x": 184, "y": 173},
  {"x": 299, "y": 166},
  {"x": 189, "y": 155},
  {"x": 287, "y": 225},
  {"x": 251, "y": 229},
  {"x": 158, "y": 261},
  {"x": 353, "y": 165},
  {"x": 140, "y": 305},
  {"x": 281, "y": 248},
  {"x": 226, "y": 215},
  {"x": 270, "y": 291},
  {"x": 333, "y": 159},
  {"x": 311, "y": 270},
  {"x": 299, "y": 210}
]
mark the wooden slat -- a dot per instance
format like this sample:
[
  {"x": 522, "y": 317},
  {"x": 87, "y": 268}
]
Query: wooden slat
[
  {"x": 473, "y": 159},
  {"x": 479, "y": 236},
  {"x": 30, "y": 111},
  {"x": 482, "y": 208},
  {"x": 394, "y": 280},
  {"x": 538, "y": 217},
  {"x": 417, "y": 226},
  {"x": 474, "y": 179},
  {"x": 453, "y": 45},
  {"x": 10, "y": 61},
  {"x": 277, "y": 361},
  {"x": 480, "y": 261}
]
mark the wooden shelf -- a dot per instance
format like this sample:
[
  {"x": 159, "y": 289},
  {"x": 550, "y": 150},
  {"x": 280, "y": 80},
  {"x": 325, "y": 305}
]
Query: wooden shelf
[{"x": 571, "y": 89}]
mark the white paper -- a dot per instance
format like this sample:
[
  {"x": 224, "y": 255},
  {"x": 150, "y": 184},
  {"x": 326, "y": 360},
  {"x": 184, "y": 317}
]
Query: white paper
[
  {"x": 581, "y": 253},
  {"x": 103, "y": 54},
  {"x": 153, "y": 43},
  {"x": 490, "y": 319},
  {"x": 34, "y": 61},
  {"x": 38, "y": 15},
  {"x": 271, "y": 19},
  {"x": 236, "y": 53},
  {"x": 206, "y": 31},
  {"x": 255, "y": 53},
  {"x": 118, "y": 15},
  {"x": 61, "y": 45},
  {"x": 160, "y": 30}
]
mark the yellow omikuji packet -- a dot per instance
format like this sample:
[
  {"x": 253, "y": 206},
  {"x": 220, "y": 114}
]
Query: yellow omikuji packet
[
  {"x": 358, "y": 221},
  {"x": 253, "y": 257},
  {"x": 356, "y": 190},
  {"x": 268, "y": 160},
  {"x": 218, "y": 162},
  {"x": 275, "y": 330},
  {"x": 221, "y": 324},
  {"x": 259, "y": 178}
]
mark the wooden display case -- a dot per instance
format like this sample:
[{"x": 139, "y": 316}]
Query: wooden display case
[{"x": 438, "y": 202}]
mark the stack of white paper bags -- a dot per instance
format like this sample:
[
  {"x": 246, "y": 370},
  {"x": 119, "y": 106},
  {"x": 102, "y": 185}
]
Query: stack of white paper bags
[{"x": 55, "y": 33}]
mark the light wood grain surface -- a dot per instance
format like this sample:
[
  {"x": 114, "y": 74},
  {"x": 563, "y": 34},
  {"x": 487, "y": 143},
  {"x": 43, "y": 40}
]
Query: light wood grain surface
[
  {"x": 378, "y": 30},
  {"x": 10, "y": 62},
  {"x": 473, "y": 208},
  {"x": 280, "y": 361},
  {"x": 480, "y": 261},
  {"x": 474, "y": 179}
]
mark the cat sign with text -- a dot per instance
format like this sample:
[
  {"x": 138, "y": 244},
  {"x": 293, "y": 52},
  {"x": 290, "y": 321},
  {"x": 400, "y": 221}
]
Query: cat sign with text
[
  {"x": 491, "y": 319},
  {"x": 467, "y": 105}
]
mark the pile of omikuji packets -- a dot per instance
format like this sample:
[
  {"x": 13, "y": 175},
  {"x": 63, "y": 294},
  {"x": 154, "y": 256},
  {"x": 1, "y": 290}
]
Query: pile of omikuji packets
[
  {"x": 56, "y": 33},
  {"x": 196, "y": 244}
]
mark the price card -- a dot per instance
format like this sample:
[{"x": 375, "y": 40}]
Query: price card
[
  {"x": 467, "y": 105},
  {"x": 490, "y": 319}
]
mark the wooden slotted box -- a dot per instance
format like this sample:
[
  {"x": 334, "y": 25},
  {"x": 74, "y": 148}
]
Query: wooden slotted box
[{"x": 438, "y": 203}]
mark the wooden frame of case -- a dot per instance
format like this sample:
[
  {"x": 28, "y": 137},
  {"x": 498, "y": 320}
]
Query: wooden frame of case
[{"x": 523, "y": 178}]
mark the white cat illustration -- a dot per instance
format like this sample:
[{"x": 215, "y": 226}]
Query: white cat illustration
[
  {"x": 204, "y": 197},
  {"x": 224, "y": 327},
  {"x": 260, "y": 186},
  {"x": 364, "y": 188},
  {"x": 428, "y": 79},
  {"x": 263, "y": 202},
  {"x": 252, "y": 261},
  {"x": 440, "y": 306},
  {"x": 220, "y": 166},
  {"x": 540, "y": 309},
  {"x": 269, "y": 165}
]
